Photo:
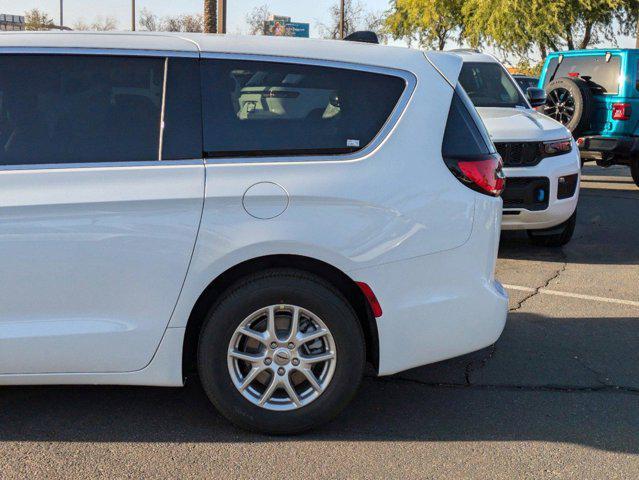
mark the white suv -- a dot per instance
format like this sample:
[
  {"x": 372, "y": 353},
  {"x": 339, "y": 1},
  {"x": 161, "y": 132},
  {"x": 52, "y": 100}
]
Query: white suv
[
  {"x": 541, "y": 159},
  {"x": 153, "y": 225}
]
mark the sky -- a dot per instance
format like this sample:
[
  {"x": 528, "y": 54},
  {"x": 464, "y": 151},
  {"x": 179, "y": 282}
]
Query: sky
[{"x": 311, "y": 11}]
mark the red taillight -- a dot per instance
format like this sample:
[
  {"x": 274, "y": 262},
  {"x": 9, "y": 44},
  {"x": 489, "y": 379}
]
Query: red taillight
[
  {"x": 621, "y": 111},
  {"x": 573, "y": 74},
  {"x": 483, "y": 173},
  {"x": 371, "y": 298}
]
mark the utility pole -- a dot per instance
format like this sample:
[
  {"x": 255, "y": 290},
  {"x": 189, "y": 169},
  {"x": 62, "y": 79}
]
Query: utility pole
[
  {"x": 341, "y": 20},
  {"x": 133, "y": 15},
  {"x": 221, "y": 16},
  {"x": 61, "y": 14}
]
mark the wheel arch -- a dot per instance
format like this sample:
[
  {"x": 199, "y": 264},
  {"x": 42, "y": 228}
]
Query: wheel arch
[{"x": 331, "y": 274}]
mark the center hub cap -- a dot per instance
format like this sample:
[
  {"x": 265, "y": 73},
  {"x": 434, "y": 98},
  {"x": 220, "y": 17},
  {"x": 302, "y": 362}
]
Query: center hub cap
[{"x": 282, "y": 356}]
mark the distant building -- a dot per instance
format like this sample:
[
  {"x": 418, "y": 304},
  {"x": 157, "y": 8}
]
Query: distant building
[
  {"x": 279, "y": 26},
  {"x": 11, "y": 22}
]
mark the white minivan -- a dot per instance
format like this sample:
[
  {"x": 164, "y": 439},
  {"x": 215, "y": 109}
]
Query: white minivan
[
  {"x": 269, "y": 213},
  {"x": 541, "y": 159}
]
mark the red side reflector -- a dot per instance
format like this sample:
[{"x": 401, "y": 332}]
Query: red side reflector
[
  {"x": 372, "y": 299},
  {"x": 621, "y": 111},
  {"x": 573, "y": 74}
]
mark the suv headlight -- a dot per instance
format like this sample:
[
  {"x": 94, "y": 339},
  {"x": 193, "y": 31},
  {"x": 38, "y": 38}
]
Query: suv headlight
[{"x": 556, "y": 147}]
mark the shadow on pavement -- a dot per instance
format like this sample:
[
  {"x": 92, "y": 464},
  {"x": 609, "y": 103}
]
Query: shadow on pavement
[
  {"x": 412, "y": 406},
  {"x": 607, "y": 232}
]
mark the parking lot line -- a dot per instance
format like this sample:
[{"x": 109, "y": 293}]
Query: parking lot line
[{"x": 618, "y": 301}]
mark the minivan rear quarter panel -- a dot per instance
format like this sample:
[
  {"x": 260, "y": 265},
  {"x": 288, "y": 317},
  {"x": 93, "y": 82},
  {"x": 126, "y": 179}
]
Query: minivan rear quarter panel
[{"x": 391, "y": 201}]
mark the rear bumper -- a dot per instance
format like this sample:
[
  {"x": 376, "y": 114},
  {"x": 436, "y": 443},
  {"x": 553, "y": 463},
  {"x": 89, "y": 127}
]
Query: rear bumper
[
  {"x": 553, "y": 210},
  {"x": 597, "y": 147},
  {"x": 441, "y": 305}
]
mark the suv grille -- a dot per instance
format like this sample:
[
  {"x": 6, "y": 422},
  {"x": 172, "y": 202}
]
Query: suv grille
[{"x": 520, "y": 154}]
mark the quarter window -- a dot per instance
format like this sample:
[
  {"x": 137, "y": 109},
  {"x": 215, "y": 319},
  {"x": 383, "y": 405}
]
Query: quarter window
[{"x": 256, "y": 108}]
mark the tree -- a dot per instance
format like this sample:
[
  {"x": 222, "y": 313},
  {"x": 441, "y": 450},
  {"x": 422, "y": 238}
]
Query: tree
[
  {"x": 148, "y": 20},
  {"x": 521, "y": 26},
  {"x": 100, "y": 24},
  {"x": 353, "y": 16},
  {"x": 255, "y": 19},
  {"x": 37, "y": 20},
  {"x": 376, "y": 22},
  {"x": 192, "y": 23},
  {"x": 431, "y": 23},
  {"x": 182, "y": 23},
  {"x": 210, "y": 16}
]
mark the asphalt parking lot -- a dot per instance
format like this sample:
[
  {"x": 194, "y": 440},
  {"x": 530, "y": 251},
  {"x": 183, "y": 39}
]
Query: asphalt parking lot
[{"x": 556, "y": 397}]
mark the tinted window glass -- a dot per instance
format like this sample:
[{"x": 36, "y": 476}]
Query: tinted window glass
[
  {"x": 71, "y": 109},
  {"x": 265, "y": 108},
  {"x": 183, "y": 114},
  {"x": 604, "y": 75},
  {"x": 489, "y": 85},
  {"x": 465, "y": 133},
  {"x": 525, "y": 82}
]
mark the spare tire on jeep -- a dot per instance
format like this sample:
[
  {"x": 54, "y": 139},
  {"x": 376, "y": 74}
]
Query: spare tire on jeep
[{"x": 570, "y": 102}]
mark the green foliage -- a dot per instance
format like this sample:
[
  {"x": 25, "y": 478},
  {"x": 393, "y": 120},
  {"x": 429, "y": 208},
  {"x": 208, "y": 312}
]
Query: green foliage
[
  {"x": 519, "y": 26},
  {"x": 432, "y": 23},
  {"x": 37, "y": 20}
]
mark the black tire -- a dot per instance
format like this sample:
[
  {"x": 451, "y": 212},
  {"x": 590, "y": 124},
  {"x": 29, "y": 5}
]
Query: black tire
[
  {"x": 272, "y": 287},
  {"x": 583, "y": 103},
  {"x": 634, "y": 170},
  {"x": 556, "y": 236}
]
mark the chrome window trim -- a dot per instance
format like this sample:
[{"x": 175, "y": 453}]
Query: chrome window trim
[
  {"x": 378, "y": 139},
  {"x": 120, "y": 52},
  {"x": 101, "y": 165}
]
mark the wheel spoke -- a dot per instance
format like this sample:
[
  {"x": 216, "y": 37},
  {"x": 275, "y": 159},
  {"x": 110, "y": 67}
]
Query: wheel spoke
[
  {"x": 321, "y": 357},
  {"x": 295, "y": 323},
  {"x": 270, "y": 324},
  {"x": 307, "y": 337},
  {"x": 247, "y": 357},
  {"x": 250, "y": 376},
  {"x": 270, "y": 390},
  {"x": 310, "y": 376},
  {"x": 291, "y": 392},
  {"x": 259, "y": 336}
]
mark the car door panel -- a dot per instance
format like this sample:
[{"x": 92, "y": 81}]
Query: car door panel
[{"x": 93, "y": 260}]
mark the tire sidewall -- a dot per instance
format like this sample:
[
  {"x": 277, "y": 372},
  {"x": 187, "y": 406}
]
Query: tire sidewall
[
  {"x": 224, "y": 319},
  {"x": 582, "y": 97}
]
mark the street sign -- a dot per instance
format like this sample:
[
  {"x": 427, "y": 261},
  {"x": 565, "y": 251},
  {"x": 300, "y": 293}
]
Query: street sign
[{"x": 283, "y": 27}]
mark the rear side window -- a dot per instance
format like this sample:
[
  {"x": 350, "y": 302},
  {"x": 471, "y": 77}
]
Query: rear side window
[
  {"x": 83, "y": 109},
  {"x": 604, "y": 74},
  {"x": 465, "y": 134},
  {"x": 254, "y": 108}
]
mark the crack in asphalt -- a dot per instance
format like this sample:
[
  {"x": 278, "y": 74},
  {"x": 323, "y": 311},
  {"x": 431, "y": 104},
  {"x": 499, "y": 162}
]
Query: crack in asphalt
[
  {"x": 606, "y": 388},
  {"x": 476, "y": 365},
  {"x": 546, "y": 284}
]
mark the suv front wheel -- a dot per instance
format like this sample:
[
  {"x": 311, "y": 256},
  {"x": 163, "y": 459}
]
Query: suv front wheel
[
  {"x": 281, "y": 353},
  {"x": 555, "y": 236}
]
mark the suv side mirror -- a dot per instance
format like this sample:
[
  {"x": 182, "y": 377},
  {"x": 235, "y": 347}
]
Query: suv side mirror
[{"x": 536, "y": 96}]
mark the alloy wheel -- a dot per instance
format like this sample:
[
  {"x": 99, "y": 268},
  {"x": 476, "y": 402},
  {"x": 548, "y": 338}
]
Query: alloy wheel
[
  {"x": 560, "y": 105},
  {"x": 281, "y": 357}
]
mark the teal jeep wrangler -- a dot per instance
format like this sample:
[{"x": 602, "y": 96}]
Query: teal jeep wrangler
[{"x": 595, "y": 93}]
